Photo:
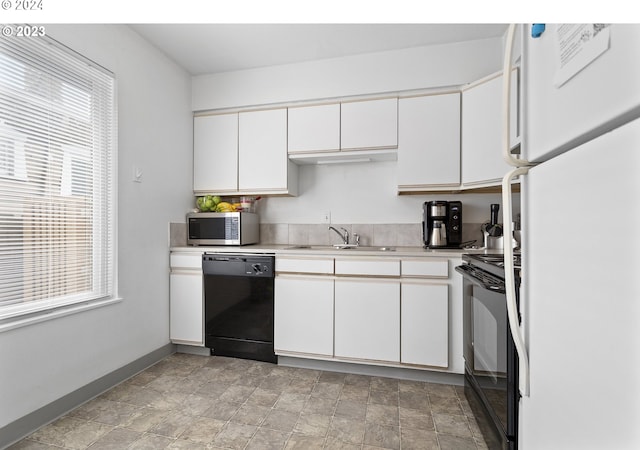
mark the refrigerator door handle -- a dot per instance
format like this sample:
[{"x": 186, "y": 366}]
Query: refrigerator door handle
[
  {"x": 506, "y": 102},
  {"x": 510, "y": 282},
  {"x": 522, "y": 167}
]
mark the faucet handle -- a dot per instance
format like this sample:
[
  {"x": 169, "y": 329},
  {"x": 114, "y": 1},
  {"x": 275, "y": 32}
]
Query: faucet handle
[
  {"x": 356, "y": 237},
  {"x": 346, "y": 235}
]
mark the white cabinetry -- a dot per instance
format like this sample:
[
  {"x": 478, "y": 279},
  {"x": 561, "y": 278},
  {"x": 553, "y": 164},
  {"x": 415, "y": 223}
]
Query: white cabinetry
[
  {"x": 304, "y": 306},
  {"x": 482, "y": 163},
  {"x": 186, "y": 307},
  {"x": 243, "y": 153},
  {"x": 314, "y": 128},
  {"x": 215, "y": 153},
  {"x": 367, "y": 319},
  {"x": 367, "y": 310},
  {"x": 429, "y": 142},
  {"x": 369, "y": 124},
  {"x": 263, "y": 164},
  {"x": 304, "y": 314},
  {"x": 424, "y": 318},
  {"x": 388, "y": 310},
  {"x": 425, "y": 324}
]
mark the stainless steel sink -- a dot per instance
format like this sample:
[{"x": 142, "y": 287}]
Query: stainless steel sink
[
  {"x": 376, "y": 249},
  {"x": 352, "y": 247}
]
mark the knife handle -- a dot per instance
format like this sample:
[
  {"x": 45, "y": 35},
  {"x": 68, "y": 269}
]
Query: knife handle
[{"x": 495, "y": 207}]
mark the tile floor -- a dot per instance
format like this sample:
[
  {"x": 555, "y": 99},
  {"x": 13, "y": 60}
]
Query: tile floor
[{"x": 198, "y": 402}]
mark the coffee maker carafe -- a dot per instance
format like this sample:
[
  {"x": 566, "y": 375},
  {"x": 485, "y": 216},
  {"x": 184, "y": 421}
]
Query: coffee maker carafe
[{"x": 442, "y": 224}]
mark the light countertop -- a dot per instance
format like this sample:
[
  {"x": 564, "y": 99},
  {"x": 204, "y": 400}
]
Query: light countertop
[{"x": 290, "y": 250}]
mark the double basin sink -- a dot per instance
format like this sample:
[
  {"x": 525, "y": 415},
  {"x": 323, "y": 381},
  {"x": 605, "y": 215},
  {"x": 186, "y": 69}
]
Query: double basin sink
[{"x": 346, "y": 247}]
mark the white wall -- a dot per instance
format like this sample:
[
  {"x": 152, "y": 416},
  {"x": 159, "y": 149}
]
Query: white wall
[
  {"x": 361, "y": 193},
  {"x": 392, "y": 71},
  {"x": 43, "y": 362}
]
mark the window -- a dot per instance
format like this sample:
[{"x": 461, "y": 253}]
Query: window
[{"x": 57, "y": 193}]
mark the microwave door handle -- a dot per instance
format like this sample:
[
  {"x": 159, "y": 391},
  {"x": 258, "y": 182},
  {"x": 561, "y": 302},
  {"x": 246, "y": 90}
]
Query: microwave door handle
[{"x": 510, "y": 281}]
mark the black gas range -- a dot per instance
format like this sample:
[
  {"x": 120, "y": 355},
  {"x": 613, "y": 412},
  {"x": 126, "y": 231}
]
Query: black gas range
[{"x": 491, "y": 360}]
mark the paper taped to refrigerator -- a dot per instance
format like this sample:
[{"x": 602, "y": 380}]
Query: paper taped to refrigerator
[{"x": 577, "y": 46}]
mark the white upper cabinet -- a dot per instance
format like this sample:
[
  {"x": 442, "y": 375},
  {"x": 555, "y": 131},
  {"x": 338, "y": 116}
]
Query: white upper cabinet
[
  {"x": 482, "y": 163},
  {"x": 314, "y": 128},
  {"x": 215, "y": 153},
  {"x": 243, "y": 153},
  {"x": 429, "y": 142},
  {"x": 369, "y": 124},
  {"x": 263, "y": 165}
]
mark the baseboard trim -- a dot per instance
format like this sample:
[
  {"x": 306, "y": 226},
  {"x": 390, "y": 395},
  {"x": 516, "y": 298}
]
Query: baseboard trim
[
  {"x": 401, "y": 373},
  {"x": 26, "y": 425}
]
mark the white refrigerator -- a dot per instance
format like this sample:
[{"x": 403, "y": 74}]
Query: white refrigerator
[{"x": 580, "y": 207}]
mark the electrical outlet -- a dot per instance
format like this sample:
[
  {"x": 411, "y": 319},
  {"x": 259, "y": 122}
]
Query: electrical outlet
[{"x": 325, "y": 217}]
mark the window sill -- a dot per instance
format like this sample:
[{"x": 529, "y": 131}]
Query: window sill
[{"x": 54, "y": 313}]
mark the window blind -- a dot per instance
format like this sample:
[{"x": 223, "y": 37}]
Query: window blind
[{"x": 57, "y": 193}]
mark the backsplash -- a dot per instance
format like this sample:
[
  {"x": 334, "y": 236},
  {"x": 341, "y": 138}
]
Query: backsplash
[
  {"x": 177, "y": 234},
  {"x": 370, "y": 234},
  {"x": 400, "y": 235}
]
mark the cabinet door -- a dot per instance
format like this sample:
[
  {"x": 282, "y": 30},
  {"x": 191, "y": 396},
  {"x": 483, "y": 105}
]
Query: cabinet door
[
  {"x": 314, "y": 128},
  {"x": 215, "y": 153},
  {"x": 429, "y": 142},
  {"x": 263, "y": 161},
  {"x": 304, "y": 315},
  {"x": 367, "y": 319},
  {"x": 186, "y": 308},
  {"x": 425, "y": 324},
  {"x": 369, "y": 124},
  {"x": 482, "y": 161}
]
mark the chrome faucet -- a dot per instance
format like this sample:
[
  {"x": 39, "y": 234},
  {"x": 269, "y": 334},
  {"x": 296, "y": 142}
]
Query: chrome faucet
[{"x": 344, "y": 236}]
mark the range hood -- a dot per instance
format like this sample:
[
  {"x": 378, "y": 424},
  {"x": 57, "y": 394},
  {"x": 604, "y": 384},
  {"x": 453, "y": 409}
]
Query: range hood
[{"x": 344, "y": 157}]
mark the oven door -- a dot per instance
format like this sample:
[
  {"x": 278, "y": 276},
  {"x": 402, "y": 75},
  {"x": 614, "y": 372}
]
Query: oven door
[{"x": 491, "y": 365}]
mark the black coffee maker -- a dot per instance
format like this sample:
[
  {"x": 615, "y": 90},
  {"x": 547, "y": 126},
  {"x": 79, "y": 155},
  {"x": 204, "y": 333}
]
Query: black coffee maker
[{"x": 442, "y": 224}]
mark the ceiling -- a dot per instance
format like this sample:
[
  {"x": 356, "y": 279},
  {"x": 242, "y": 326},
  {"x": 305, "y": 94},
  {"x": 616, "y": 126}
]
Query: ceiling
[{"x": 203, "y": 49}]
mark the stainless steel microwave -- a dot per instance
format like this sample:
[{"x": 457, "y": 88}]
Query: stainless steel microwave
[{"x": 231, "y": 228}]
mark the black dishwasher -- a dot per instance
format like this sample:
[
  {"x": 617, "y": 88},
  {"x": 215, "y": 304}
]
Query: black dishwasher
[{"x": 238, "y": 305}]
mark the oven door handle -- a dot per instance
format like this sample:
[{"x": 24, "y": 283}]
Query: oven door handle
[{"x": 467, "y": 273}]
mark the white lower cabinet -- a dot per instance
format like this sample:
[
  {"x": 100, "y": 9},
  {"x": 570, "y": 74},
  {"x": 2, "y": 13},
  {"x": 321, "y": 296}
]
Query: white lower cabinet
[
  {"x": 367, "y": 319},
  {"x": 186, "y": 298},
  {"x": 304, "y": 314},
  {"x": 394, "y": 311},
  {"x": 186, "y": 308},
  {"x": 424, "y": 323}
]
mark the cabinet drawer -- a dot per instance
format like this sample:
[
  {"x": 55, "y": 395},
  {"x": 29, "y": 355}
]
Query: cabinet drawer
[
  {"x": 186, "y": 261},
  {"x": 304, "y": 265},
  {"x": 387, "y": 267},
  {"x": 425, "y": 268}
]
